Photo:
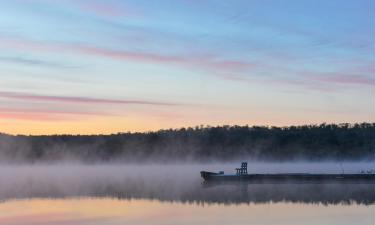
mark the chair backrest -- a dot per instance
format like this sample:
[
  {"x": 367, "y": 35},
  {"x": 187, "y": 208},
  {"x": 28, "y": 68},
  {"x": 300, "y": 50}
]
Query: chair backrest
[{"x": 244, "y": 168}]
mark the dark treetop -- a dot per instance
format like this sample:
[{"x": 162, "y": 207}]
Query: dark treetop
[{"x": 223, "y": 143}]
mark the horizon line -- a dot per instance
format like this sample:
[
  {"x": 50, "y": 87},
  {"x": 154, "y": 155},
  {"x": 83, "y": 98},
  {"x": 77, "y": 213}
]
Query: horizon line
[{"x": 349, "y": 124}]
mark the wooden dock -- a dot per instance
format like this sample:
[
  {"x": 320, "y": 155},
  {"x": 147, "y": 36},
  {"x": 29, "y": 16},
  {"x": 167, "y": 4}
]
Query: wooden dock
[{"x": 242, "y": 175}]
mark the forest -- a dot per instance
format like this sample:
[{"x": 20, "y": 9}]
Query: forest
[{"x": 199, "y": 144}]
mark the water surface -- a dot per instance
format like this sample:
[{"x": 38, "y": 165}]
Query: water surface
[
  {"x": 102, "y": 211},
  {"x": 175, "y": 194}
]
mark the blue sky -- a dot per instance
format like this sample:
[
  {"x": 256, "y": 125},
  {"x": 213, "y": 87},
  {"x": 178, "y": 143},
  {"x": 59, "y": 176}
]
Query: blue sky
[{"x": 80, "y": 66}]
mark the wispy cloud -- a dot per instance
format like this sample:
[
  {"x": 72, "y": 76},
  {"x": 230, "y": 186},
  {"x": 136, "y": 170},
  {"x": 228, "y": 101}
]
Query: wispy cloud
[
  {"x": 211, "y": 62},
  {"x": 48, "y": 114},
  {"x": 38, "y": 107},
  {"x": 81, "y": 100},
  {"x": 32, "y": 116},
  {"x": 102, "y": 9},
  {"x": 310, "y": 79},
  {"x": 34, "y": 62},
  {"x": 105, "y": 9},
  {"x": 221, "y": 67},
  {"x": 347, "y": 79}
]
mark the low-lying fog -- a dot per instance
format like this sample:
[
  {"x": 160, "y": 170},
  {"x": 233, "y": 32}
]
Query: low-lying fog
[{"x": 175, "y": 182}]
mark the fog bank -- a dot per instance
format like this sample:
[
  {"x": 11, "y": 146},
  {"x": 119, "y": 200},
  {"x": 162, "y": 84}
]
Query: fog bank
[{"x": 176, "y": 183}]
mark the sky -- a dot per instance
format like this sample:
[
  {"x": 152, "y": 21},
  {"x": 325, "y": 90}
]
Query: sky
[{"x": 108, "y": 66}]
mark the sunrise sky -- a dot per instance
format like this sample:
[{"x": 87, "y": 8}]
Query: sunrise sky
[{"x": 90, "y": 66}]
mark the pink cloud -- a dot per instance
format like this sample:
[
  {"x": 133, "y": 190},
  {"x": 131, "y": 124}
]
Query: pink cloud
[
  {"x": 208, "y": 62},
  {"x": 68, "y": 112},
  {"x": 102, "y": 9},
  {"x": 212, "y": 63},
  {"x": 131, "y": 56},
  {"x": 282, "y": 82},
  {"x": 236, "y": 78},
  {"x": 369, "y": 69},
  {"x": 40, "y": 114},
  {"x": 105, "y": 9},
  {"x": 30, "y": 116}
]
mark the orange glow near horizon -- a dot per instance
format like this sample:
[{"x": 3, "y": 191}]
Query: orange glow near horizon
[
  {"x": 113, "y": 125},
  {"x": 111, "y": 119}
]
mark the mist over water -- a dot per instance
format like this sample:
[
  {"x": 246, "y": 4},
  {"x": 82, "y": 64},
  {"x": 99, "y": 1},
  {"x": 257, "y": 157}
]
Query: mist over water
[{"x": 174, "y": 182}]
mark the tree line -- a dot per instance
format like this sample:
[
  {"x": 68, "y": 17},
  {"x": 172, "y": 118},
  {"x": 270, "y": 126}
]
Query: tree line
[{"x": 202, "y": 143}]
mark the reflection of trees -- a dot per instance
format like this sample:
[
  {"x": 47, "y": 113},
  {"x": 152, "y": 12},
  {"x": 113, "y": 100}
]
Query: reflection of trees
[
  {"x": 244, "y": 193},
  {"x": 342, "y": 141},
  {"x": 329, "y": 193},
  {"x": 325, "y": 194}
]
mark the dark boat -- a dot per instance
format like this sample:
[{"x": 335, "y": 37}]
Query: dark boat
[{"x": 242, "y": 175}]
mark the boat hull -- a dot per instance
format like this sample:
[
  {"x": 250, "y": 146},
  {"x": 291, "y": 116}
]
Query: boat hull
[{"x": 289, "y": 177}]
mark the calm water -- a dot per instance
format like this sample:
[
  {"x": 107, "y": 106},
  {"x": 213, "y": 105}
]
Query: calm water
[
  {"x": 113, "y": 211},
  {"x": 114, "y": 194}
]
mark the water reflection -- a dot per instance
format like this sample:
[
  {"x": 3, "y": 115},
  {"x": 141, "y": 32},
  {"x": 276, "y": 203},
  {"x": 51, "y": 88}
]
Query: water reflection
[
  {"x": 236, "y": 193},
  {"x": 107, "y": 211},
  {"x": 259, "y": 193},
  {"x": 318, "y": 193}
]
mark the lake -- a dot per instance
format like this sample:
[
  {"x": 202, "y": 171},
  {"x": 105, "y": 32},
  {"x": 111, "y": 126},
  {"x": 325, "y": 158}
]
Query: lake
[
  {"x": 116, "y": 211},
  {"x": 175, "y": 194}
]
